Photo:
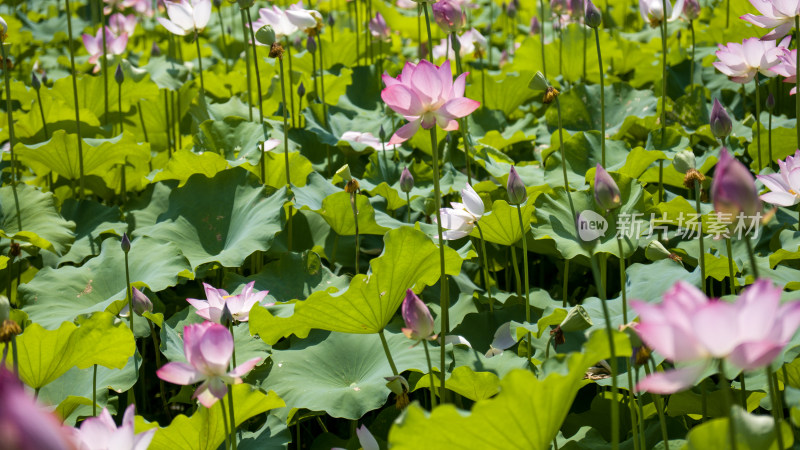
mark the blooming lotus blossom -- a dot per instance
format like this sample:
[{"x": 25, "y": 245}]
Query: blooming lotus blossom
[
  {"x": 777, "y": 14},
  {"x": 787, "y": 67},
  {"x": 94, "y": 45},
  {"x": 238, "y": 305},
  {"x": 418, "y": 319},
  {"x": 426, "y": 95},
  {"x": 277, "y": 19},
  {"x": 652, "y": 11},
  {"x": 208, "y": 347},
  {"x": 186, "y": 17},
  {"x": 101, "y": 433},
  {"x": 472, "y": 43},
  {"x": 742, "y": 61},
  {"x": 460, "y": 218},
  {"x": 120, "y": 23},
  {"x": 304, "y": 19},
  {"x": 24, "y": 425},
  {"x": 733, "y": 190},
  {"x": 785, "y": 185},
  {"x": 688, "y": 327},
  {"x": 367, "y": 139},
  {"x": 378, "y": 28}
]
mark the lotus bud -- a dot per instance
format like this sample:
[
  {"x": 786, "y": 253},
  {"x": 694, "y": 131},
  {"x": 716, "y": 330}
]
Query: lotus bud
[
  {"x": 536, "y": 27},
  {"x": 382, "y": 134},
  {"x": 448, "y": 16},
  {"x": 3, "y": 30},
  {"x": 418, "y": 319},
  {"x": 245, "y": 4},
  {"x": 5, "y": 308},
  {"x": 226, "y": 318},
  {"x": 593, "y": 16},
  {"x": 684, "y": 161},
  {"x": 266, "y": 35},
  {"x": 691, "y": 9},
  {"x": 734, "y": 188},
  {"x": 301, "y": 90},
  {"x": 119, "y": 77},
  {"x": 331, "y": 20},
  {"x": 511, "y": 11},
  {"x": 311, "y": 44},
  {"x": 217, "y": 3},
  {"x": 344, "y": 173},
  {"x": 155, "y": 50},
  {"x": 125, "y": 243},
  {"x": 655, "y": 251},
  {"x": 517, "y": 194},
  {"x": 606, "y": 191},
  {"x": 577, "y": 320},
  {"x": 770, "y": 103},
  {"x": 720, "y": 121},
  {"x": 141, "y": 303},
  {"x": 406, "y": 181},
  {"x": 35, "y": 83}
]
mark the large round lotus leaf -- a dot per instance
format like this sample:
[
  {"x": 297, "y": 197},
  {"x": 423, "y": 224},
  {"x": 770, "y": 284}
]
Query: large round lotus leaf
[
  {"x": 205, "y": 429},
  {"x": 58, "y": 295},
  {"x": 45, "y": 355},
  {"x": 93, "y": 220},
  {"x": 42, "y": 225},
  {"x": 504, "y": 421},
  {"x": 184, "y": 163},
  {"x": 557, "y": 222},
  {"x": 409, "y": 261},
  {"x": 222, "y": 219},
  {"x": 341, "y": 374},
  {"x": 753, "y": 432},
  {"x": 580, "y": 107}
]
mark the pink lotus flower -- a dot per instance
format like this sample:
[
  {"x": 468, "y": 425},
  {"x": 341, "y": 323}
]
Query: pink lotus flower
[
  {"x": 785, "y": 185},
  {"x": 277, "y": 19},
  {"x": 208, "y": 348},
  {"x": 459, "y": 220},
  {"x": 367, "y": 139},
  {"x": 426, "y": 95},
  {"x": 652, "y": 11},
  {"x": 777, "y": 14},
  {"x": 120, "y": 23},
  {"x": 101, "y": 433},
  {"x": 742, "y": 61},
  {"x": 419, "y": 321},
  {"x": 733, "y": 190},
  {"x": 186, "y": 17},
  {"x": 378, "y": 28},
  {"x": 94, "y": 45},
  {"x": 24, "y": 425},
  {"x": 688, "y": 327},
  {"x": 787, "y": 67},
  {"x": 472, "y": 43},
  {"x": 238, "y": 305}
]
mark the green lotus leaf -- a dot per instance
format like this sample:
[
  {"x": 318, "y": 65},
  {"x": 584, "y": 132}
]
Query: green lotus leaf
[
  {"x": 58, "y": 295},
  {"x": 45, "y": 355},
  {"x": 42, "y": 225},
  {"x": 222, "y": 219},
  {"x": 753, "y": 432},
  {"x": 409, "y": 261}
]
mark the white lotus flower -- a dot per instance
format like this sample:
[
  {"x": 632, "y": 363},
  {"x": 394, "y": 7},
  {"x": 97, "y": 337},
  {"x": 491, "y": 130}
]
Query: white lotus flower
[
  {"x": 186, "y": 16},
  {"x": 460, "y": 218}
]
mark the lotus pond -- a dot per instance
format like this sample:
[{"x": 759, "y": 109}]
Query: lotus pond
[{"x": 393, "y": 224}]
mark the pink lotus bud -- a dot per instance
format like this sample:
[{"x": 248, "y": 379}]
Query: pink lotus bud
[
  {"x": 606, "y": 191},
  {"x": 720, "y": 121},
  {"x": 406, "y": 180},
  {"x": 517, "y": 194},
  {"x": 733, "y": 190},
  {"x": 417, "y": 317},
  {"x": 449, "y": 16},
  {"x": 536, "y": 28}
]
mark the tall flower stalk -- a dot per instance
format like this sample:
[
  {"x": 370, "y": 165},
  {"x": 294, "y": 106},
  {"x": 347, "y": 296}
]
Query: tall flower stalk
[
  {"x": 594, "y": 19},
  {"x": 75, "y": 98},
  {"x": 518, "y": 195},
  {"x": 11, "y": 137}
]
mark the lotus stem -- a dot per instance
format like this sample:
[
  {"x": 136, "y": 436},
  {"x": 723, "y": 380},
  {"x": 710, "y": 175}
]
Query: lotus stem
[
  {"x": 691, "y": 68},
  {"x": 564, "y": 290},
  {"x": 161, "y": 388},
  {"x": 247, "y": 63},
  {"x": 726, "y": 386},
  {"x": 600, "y": 282},
  {"x": 11, "y": 136},
  {"x": 564, "y": 163},
  {"x": 94, "y": 390},
  {"x": 702, "y": 260},
  {"x": 430, "y": 372},
  {"x": 233, "y": 417},
  {"x": 769, "y": 139},
  {"x": 730, "y": 266},
  {"x": 408, "y": 208},
  {"x": 131, "y": 313},
  {"x": 663, "y": 72},
  {"x": 200, "y": 64},
  {"x": 224, "y": 43},
  {"x": 602, "y": 100},
  {"x": 354, "y": 206},
  {"x": 258, "y": 76},
  {"x": 632, "y": 408},
  {"x": 225, "y": 423},
  {"x": 389, "y": 354},
  {"x": 752, "y": 256},
  {"x": 662, "y": 420},
  {"x": 463, "y": 122},
  {"x": 291, "y": 86},
  {"x": 487, "y": 285},
  {"x": 758, "y": 122},
  {"x": 322, "y": 80},
  {"x": 541, "y": 36},
  {"x": 285, "y": 129},
  {"x": 75, "y": 97},
  {"x": 515, "y": 265},
  {"x": 744, "y": 390},
  {"x": 524, "y": 231},
  {"x": 445, "y": 301}
]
